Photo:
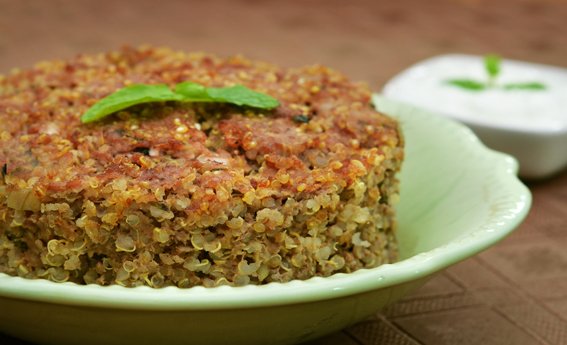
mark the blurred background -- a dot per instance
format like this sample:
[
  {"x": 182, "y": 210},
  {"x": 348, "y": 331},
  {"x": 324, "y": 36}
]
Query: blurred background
[
  {"x": 514, "y": 293},
  {"x": 368, "y": 40}
]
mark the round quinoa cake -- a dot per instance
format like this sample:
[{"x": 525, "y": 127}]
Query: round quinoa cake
[{"x": 189, "y": 194}]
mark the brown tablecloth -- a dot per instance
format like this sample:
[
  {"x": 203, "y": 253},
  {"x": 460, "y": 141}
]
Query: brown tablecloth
[{"x": 514, "y": 293}]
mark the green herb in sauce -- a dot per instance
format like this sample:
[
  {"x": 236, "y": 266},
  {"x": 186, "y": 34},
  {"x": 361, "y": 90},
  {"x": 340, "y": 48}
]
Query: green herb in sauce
[
  {"x": 468, "y": 84},
  {"x": 524, "y": 86},
  {"x": 492, "y": 66}
]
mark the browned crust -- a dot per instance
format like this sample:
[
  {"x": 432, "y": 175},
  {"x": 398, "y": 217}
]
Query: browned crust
[{"x": 189, "y": 194}]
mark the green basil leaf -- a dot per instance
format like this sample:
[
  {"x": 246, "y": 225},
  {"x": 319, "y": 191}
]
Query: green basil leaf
[
  {"x": 467, "y": 84},
  {"x": 492, "y": 65},
  {"x": 241, "y": 95},
  {"x": 192, "y": 92},
  {"x": 238, "y": 94},
  {"x": 525, "y": 86},
  {"x": 127, "y": 97},
  {"x": 184, "y": 92}
]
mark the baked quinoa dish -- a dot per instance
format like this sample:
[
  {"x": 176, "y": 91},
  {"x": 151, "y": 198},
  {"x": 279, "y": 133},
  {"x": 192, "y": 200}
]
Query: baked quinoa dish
[{"x": 175, "y": 193}]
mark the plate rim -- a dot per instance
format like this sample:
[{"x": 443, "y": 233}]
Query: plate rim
[{"x": 296, "y": 291}]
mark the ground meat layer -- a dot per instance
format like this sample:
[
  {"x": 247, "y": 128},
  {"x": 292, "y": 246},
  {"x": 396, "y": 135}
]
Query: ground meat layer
[{"x": 193, "y": 194}]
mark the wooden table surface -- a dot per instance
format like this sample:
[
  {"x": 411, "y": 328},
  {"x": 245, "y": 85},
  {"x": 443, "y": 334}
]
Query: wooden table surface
[{"x": 514, "y": 293}]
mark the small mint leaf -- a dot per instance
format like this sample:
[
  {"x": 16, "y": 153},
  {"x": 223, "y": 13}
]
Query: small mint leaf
[
  {"x": 492, "y": 65},
  {"x": 535, "y": 86},
  {"x": 127, "y": 97},
  {"x": 184, "y": 92},
  {"x": 192, "y": 92},
  {"x": 467, "y": 84},
  {"x": 241, "y": 95}
]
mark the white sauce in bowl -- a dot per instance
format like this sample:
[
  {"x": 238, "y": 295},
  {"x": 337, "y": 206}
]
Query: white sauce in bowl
[{"x": 423, "y": 85}]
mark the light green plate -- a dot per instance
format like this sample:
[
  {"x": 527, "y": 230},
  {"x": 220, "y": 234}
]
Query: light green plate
[{"x": 458, "y": 198}]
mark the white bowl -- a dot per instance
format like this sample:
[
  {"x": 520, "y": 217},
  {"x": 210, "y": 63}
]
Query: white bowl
[
  {"x": 457, "y": 199},
  {"x": 530, "y": 125}
]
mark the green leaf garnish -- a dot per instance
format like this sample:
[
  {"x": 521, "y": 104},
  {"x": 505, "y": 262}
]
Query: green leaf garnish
[
  {"x": 127, "y": 97},
  {"x": 525, "y": 86},
  {"x": 184, "y": 92},
  {"x": 468, "y": 84},
  {"x": 241, "y": 95},
  {"x": 192, "y": 92},
  {"x": 238, "y": 94},
  {"x": 492, "y": 65}
]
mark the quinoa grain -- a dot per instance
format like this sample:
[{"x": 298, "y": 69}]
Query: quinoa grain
[{"x": 192, "y": 194}]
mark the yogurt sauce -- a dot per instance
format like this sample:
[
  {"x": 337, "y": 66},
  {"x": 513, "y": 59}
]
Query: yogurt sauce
[{"x": 525, "y": 110}]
